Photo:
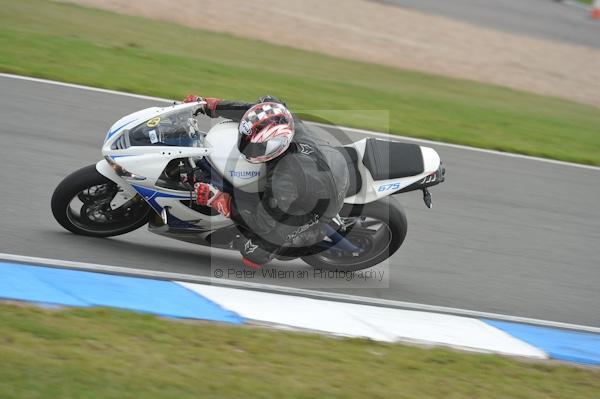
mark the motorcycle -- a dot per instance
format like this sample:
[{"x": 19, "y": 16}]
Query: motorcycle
[{"x": 153, "y": 156}]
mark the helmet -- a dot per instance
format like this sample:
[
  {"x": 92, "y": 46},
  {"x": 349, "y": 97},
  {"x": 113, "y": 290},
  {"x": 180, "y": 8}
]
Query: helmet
[{"x": 265, "y": 132}]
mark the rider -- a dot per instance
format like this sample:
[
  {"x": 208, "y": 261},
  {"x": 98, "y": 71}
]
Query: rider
[{"x": 306, "y": 179}]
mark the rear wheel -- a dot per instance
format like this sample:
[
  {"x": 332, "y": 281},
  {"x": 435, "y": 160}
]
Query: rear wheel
[
  {"x": 377, "y": 228},
  {"x": 87, "y": 203}
]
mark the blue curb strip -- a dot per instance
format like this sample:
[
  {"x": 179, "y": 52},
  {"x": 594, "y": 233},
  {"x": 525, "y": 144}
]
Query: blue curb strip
[
  {"x": 571, "y": 346},
  {"x": 78, "y": 288}
]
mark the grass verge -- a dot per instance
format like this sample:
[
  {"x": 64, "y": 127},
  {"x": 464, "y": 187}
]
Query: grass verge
[
  {"x": 76, "y": 44},
  {"x": 103, "y": 353}
]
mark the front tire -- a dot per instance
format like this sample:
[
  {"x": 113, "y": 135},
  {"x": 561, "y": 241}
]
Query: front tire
[
  {"x": 83, "y": 203},
  {"x": 386, "y": 213}
]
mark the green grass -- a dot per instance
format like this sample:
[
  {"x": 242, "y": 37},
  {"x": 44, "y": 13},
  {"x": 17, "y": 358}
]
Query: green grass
[
  {"x": 100, "y": 353},
  {"x": 76, "y": 44}
]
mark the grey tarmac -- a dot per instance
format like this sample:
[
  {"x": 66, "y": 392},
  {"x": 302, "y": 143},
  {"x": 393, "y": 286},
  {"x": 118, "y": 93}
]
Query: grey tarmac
[
  {"x": 506, "y": 235},
  {"x": 545, "y": 19}
]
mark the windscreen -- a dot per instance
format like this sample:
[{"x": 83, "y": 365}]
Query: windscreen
[{"x": 177, "y": 128}]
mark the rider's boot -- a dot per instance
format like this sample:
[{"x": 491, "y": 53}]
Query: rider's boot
[
  {"x": 253, "y": 255},
  {"x": 250, "y": 264}
]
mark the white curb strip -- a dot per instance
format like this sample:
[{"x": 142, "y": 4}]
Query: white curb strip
[
  {"x": 363, "y": 321},
  {"x": 342, "y": 315}
]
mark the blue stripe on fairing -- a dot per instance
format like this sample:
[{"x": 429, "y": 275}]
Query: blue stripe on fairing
[
  {"x": 572, "y": 346},
  {"x": 110, "y": 134},
  {"x": 148, "y": 192},
  {"x": 78, "y": 288},
  {"x": 151, "y": 195}
]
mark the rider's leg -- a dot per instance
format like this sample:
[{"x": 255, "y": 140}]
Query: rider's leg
[{"x": 253, "y": 255}]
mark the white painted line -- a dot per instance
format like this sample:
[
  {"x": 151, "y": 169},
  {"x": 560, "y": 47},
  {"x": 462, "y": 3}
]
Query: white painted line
[
  {"x": 357, "y": 320},
  {"x": 461, "y": 147},
  {"x": 361, "y": 131},
  {"x": 577, "y": 4},
  {"x": 291, "y": 291},
  {"x": 82, "y": 87}
]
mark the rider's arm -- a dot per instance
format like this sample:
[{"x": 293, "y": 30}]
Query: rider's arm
[
  {"x": 228, "y": 109},
  {"x": 216, "y": 107},
  {"x": 233, "y": 110}
]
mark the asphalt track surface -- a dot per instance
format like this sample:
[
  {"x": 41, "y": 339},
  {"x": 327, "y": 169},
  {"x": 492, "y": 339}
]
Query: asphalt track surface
[
  {"x": 506, "y": 235},
  {"x": 546, "y": 19}
]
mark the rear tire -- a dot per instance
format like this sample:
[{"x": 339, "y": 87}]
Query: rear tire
[
  {"x": 96, "y": 217},
  {"x": 387, "y": 211}
]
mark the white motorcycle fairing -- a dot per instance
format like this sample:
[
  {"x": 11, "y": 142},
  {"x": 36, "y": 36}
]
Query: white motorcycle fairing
[
  {"x": 137, "y": 168},
  {"x": 372, "y": 190}
]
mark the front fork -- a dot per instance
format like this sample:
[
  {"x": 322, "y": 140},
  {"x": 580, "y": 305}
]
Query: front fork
[{"x": 107, "y": 171}]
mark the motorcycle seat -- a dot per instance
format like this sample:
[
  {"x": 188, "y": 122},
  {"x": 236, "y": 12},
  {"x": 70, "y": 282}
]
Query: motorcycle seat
[{"x": 392, "y": 160}]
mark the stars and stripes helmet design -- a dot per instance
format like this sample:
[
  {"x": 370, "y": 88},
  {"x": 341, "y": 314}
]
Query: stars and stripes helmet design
[{"x": 265, "y": 132}]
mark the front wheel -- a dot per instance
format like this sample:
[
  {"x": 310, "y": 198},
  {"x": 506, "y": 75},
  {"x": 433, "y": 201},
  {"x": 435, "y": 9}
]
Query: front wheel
[
  {"x": 87, "y": 203},
  {"x": 377, "y": 228}
]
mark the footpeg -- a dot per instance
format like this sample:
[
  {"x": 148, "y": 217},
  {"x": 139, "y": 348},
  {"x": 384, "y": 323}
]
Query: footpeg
[{"x": 427, "y": 198}]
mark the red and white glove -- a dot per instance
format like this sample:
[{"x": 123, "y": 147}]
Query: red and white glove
[
  {"x": 209, "y": 195},
  {"x": 208, "y": 108},
  {"x": 192, "y": 98}
]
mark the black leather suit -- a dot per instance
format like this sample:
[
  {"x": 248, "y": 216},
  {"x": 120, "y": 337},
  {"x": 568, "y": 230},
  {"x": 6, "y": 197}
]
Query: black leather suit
[{"x": 304, "y": 188}]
